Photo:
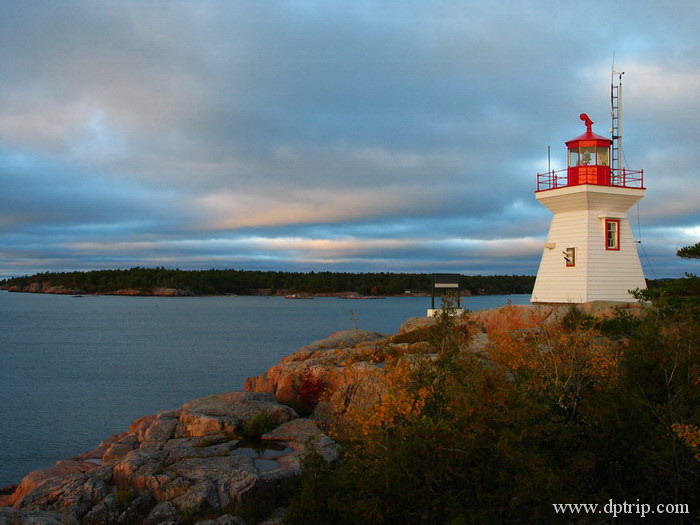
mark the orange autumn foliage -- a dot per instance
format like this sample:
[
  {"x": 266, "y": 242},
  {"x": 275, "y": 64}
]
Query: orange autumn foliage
[
  {"x": 381, "y": 401},
  {"x": 556, "y": 362},
  {"x": 690, "y": 435}
]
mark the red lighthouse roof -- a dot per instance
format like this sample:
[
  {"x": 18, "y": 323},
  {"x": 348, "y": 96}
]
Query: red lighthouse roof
[
  {"x": 588, "y": 135},
  {"x": 588, "y": 161}
]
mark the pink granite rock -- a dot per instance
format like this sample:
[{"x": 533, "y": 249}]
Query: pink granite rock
[{"x": 173, "y": 464}]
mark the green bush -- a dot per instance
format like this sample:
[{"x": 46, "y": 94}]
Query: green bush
[
  {"x": 621, "y": 324},
  {"x": 258, "y": 425},
  {"x": 424, "y": 334}
]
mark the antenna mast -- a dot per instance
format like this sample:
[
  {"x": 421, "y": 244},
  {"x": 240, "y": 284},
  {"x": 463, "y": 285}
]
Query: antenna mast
[{"x": 616, "y": 129}]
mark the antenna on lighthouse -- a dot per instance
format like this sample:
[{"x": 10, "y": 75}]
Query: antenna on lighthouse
[{"x": 616, "y": 115}]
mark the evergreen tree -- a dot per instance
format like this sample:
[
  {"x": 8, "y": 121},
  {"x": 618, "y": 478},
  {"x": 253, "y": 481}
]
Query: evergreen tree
[{"x": 690, "y": 252}]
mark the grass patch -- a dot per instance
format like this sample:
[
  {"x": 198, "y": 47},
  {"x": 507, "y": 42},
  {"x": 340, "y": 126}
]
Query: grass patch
[{"x": 424, "y": 334}]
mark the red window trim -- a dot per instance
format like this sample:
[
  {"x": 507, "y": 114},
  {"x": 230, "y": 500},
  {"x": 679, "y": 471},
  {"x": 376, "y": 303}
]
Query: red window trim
[
  {"x": 570, "y": 262},
  {"x": 617, "y": 233}
]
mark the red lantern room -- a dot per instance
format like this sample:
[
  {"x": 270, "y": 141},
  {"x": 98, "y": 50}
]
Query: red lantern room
[
  {"x": 589, "y": 157},
  {"x": 589, "y": 162}
]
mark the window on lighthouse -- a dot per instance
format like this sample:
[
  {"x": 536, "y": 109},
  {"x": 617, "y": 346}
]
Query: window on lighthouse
[
  {"x": 570, "y": 257},
  {"x": 573, "y": 157},
  {"x": 603, "y": 156},
  {"x": 612, "y": 234}
]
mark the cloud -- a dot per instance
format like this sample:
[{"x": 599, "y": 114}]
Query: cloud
[{"x": 327, "y": 135}]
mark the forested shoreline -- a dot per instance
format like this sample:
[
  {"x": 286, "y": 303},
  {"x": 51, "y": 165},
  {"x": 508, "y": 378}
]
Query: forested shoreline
[{"x": 254, "y": 282}]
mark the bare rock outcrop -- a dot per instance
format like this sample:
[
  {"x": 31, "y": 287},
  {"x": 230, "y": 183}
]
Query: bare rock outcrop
[
  {"x": 514, "y": 317},
  {"x": 44, "y": 287},
  {"x": 175, "y": 466},
  {"x": 47, "y": 287},
  {"x": 10, "y": 516},
  {"x": 348, "y": 364},
  {"x": 327, "y": 364},
  {"x": 158, "y": 291}
]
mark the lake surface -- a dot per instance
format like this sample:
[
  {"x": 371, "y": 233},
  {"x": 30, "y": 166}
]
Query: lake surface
[{"x": 75, "y": 370}]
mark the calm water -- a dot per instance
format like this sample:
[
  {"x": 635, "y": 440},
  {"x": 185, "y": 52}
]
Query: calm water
[{"x": 75, "y": 370}]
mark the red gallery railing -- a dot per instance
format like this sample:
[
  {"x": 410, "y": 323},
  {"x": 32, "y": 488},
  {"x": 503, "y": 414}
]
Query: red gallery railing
[{"x": 621, "y": 178}]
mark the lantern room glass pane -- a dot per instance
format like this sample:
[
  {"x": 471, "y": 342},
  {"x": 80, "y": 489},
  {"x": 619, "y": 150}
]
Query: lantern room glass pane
[
  {"x": 603, "y": 156},
  {"x": 587, "y": 156},
  {"x": 573, "y": 157}
]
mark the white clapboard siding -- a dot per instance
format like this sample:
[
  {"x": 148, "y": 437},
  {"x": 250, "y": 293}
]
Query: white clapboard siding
[{"x": 579, "y": 222}]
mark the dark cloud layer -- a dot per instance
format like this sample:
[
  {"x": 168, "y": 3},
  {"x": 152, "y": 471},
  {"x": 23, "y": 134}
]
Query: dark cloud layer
[{"x": 347, "y": 136}]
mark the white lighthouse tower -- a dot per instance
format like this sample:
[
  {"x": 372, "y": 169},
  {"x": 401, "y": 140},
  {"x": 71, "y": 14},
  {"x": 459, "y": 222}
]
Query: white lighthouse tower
[{"x": 590, "y": 254}]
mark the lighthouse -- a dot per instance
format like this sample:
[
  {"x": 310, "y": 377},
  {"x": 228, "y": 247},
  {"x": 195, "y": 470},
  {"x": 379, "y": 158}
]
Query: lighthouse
[{"x": 589, "y": 254}]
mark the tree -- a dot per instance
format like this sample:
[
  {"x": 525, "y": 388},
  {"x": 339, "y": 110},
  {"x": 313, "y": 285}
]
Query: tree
[{"x": 690, "y": 252}]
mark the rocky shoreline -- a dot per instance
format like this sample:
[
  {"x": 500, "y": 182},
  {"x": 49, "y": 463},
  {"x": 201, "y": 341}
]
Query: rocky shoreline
[
  {"x": 175, "y": 466},
  {"x": 194, "y": 464},
  {"x": 62, "y": 290},
  {"x": 190, "y": 465},
  {"x": 47, "y": 288}
]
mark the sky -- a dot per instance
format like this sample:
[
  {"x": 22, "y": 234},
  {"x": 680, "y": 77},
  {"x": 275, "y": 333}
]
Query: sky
[{"x": 362, "y": 136}]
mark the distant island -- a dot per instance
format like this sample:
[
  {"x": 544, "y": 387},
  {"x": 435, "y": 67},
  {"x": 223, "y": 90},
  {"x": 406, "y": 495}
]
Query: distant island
[{"x": 175, "y": 282}]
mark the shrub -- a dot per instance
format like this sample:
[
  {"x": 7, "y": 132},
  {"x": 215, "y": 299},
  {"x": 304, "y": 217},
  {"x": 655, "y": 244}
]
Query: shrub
[
  {"x": 419, "y": 335},
  {"x": 258, "y": 425},
  {"x": 621, "y": 324}
]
